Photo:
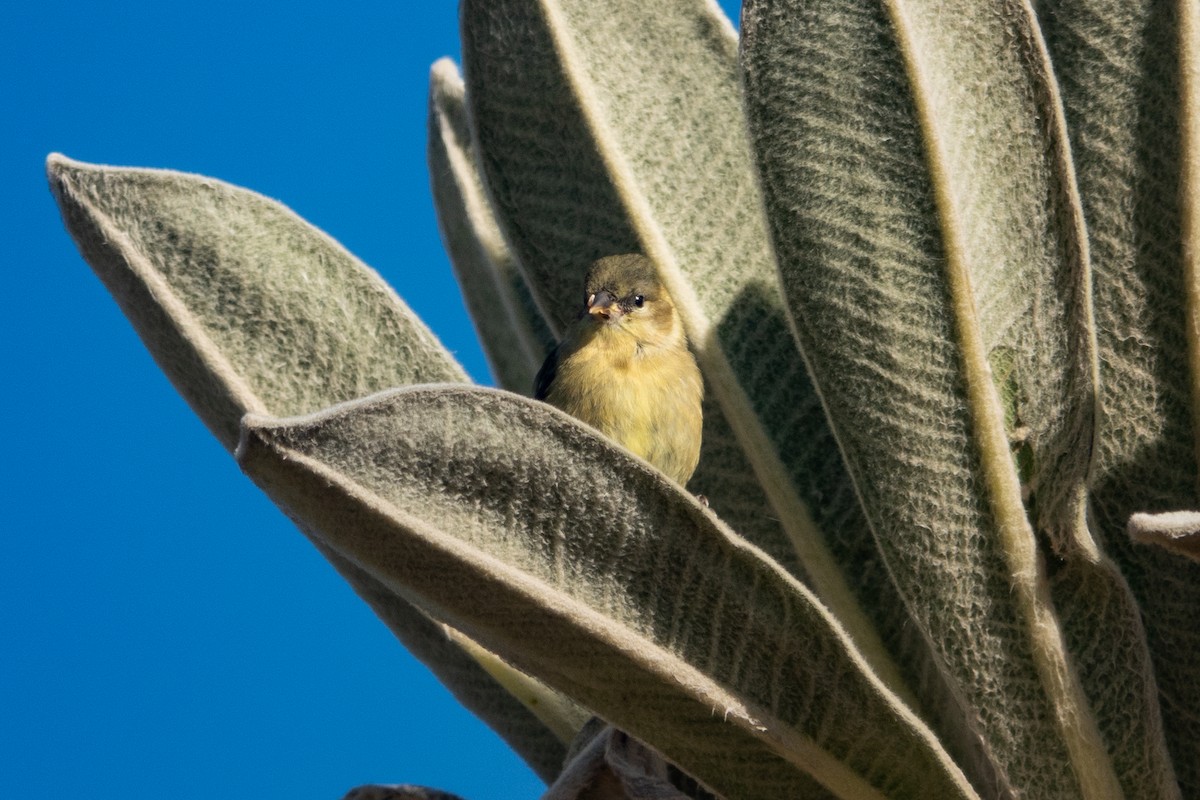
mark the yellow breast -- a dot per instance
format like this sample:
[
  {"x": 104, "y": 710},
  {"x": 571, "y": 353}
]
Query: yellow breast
[{"x": 648, "y": 400}]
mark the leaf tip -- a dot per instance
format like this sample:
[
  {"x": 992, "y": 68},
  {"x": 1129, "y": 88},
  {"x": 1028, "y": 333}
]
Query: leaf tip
[
  {"x": 1176, "y": 531},
  {"x": 444, "y": 77},
  {"x": 250, "y": 436},
  {"x": 56, "y": 162},
  {"x": 58, "y": 167}
]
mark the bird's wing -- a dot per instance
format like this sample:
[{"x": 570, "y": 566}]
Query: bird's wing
[{"x": 545, "y": 376}]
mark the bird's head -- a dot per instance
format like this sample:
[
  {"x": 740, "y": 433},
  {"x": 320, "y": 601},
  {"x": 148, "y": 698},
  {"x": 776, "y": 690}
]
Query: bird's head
[{"x": 624, "y": 295}]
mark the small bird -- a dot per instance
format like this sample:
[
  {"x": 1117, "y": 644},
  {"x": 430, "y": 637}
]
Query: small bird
[{"x": 624, "y": 367}]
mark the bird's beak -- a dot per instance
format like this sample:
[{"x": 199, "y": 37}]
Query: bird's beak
[{"x": 603, "y": 306}]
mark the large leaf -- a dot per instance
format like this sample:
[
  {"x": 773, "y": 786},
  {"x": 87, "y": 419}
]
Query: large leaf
[
  {"x": 922, "y": 204},
  {"x": 589, "y": 569},
  {"x": 512, "y": 330},
  {"x": 509, "y": 321},
  {"x": 1131, "y": 108},
  {"x": 247, "y": 308},
  {"x": 611, "y": 127}
]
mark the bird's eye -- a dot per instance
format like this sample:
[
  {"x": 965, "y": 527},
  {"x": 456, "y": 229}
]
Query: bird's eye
[{"x": 639, "y": 300}]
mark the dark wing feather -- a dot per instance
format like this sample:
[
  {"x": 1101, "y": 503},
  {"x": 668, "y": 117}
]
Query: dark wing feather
[{"x": 545, "y": 376}]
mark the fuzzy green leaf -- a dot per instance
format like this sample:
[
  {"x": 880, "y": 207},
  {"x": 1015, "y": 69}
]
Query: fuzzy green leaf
[
  {"x": 499, "y": 295},
  {"x": 1177, "y": 531},
  {"x": 611, "y": 127},
  {"x": 1131, "y": 110},
  {"x": 922, "y": 204},
  {"x": 511, "y": 329},
  {"x": 247, "y": 308},
  {"x": 589, "y": 569}
]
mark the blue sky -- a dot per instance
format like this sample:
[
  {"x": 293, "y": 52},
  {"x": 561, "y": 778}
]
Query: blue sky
[{"x": 166, "y": 631}]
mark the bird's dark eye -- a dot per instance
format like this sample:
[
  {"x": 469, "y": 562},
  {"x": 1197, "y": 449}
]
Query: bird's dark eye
[{"x": 639, "y": 300}]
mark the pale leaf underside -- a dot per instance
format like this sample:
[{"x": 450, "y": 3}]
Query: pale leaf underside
[
  {"x": 246, "y": 307},
  {"x": 585, "y": 567}
]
